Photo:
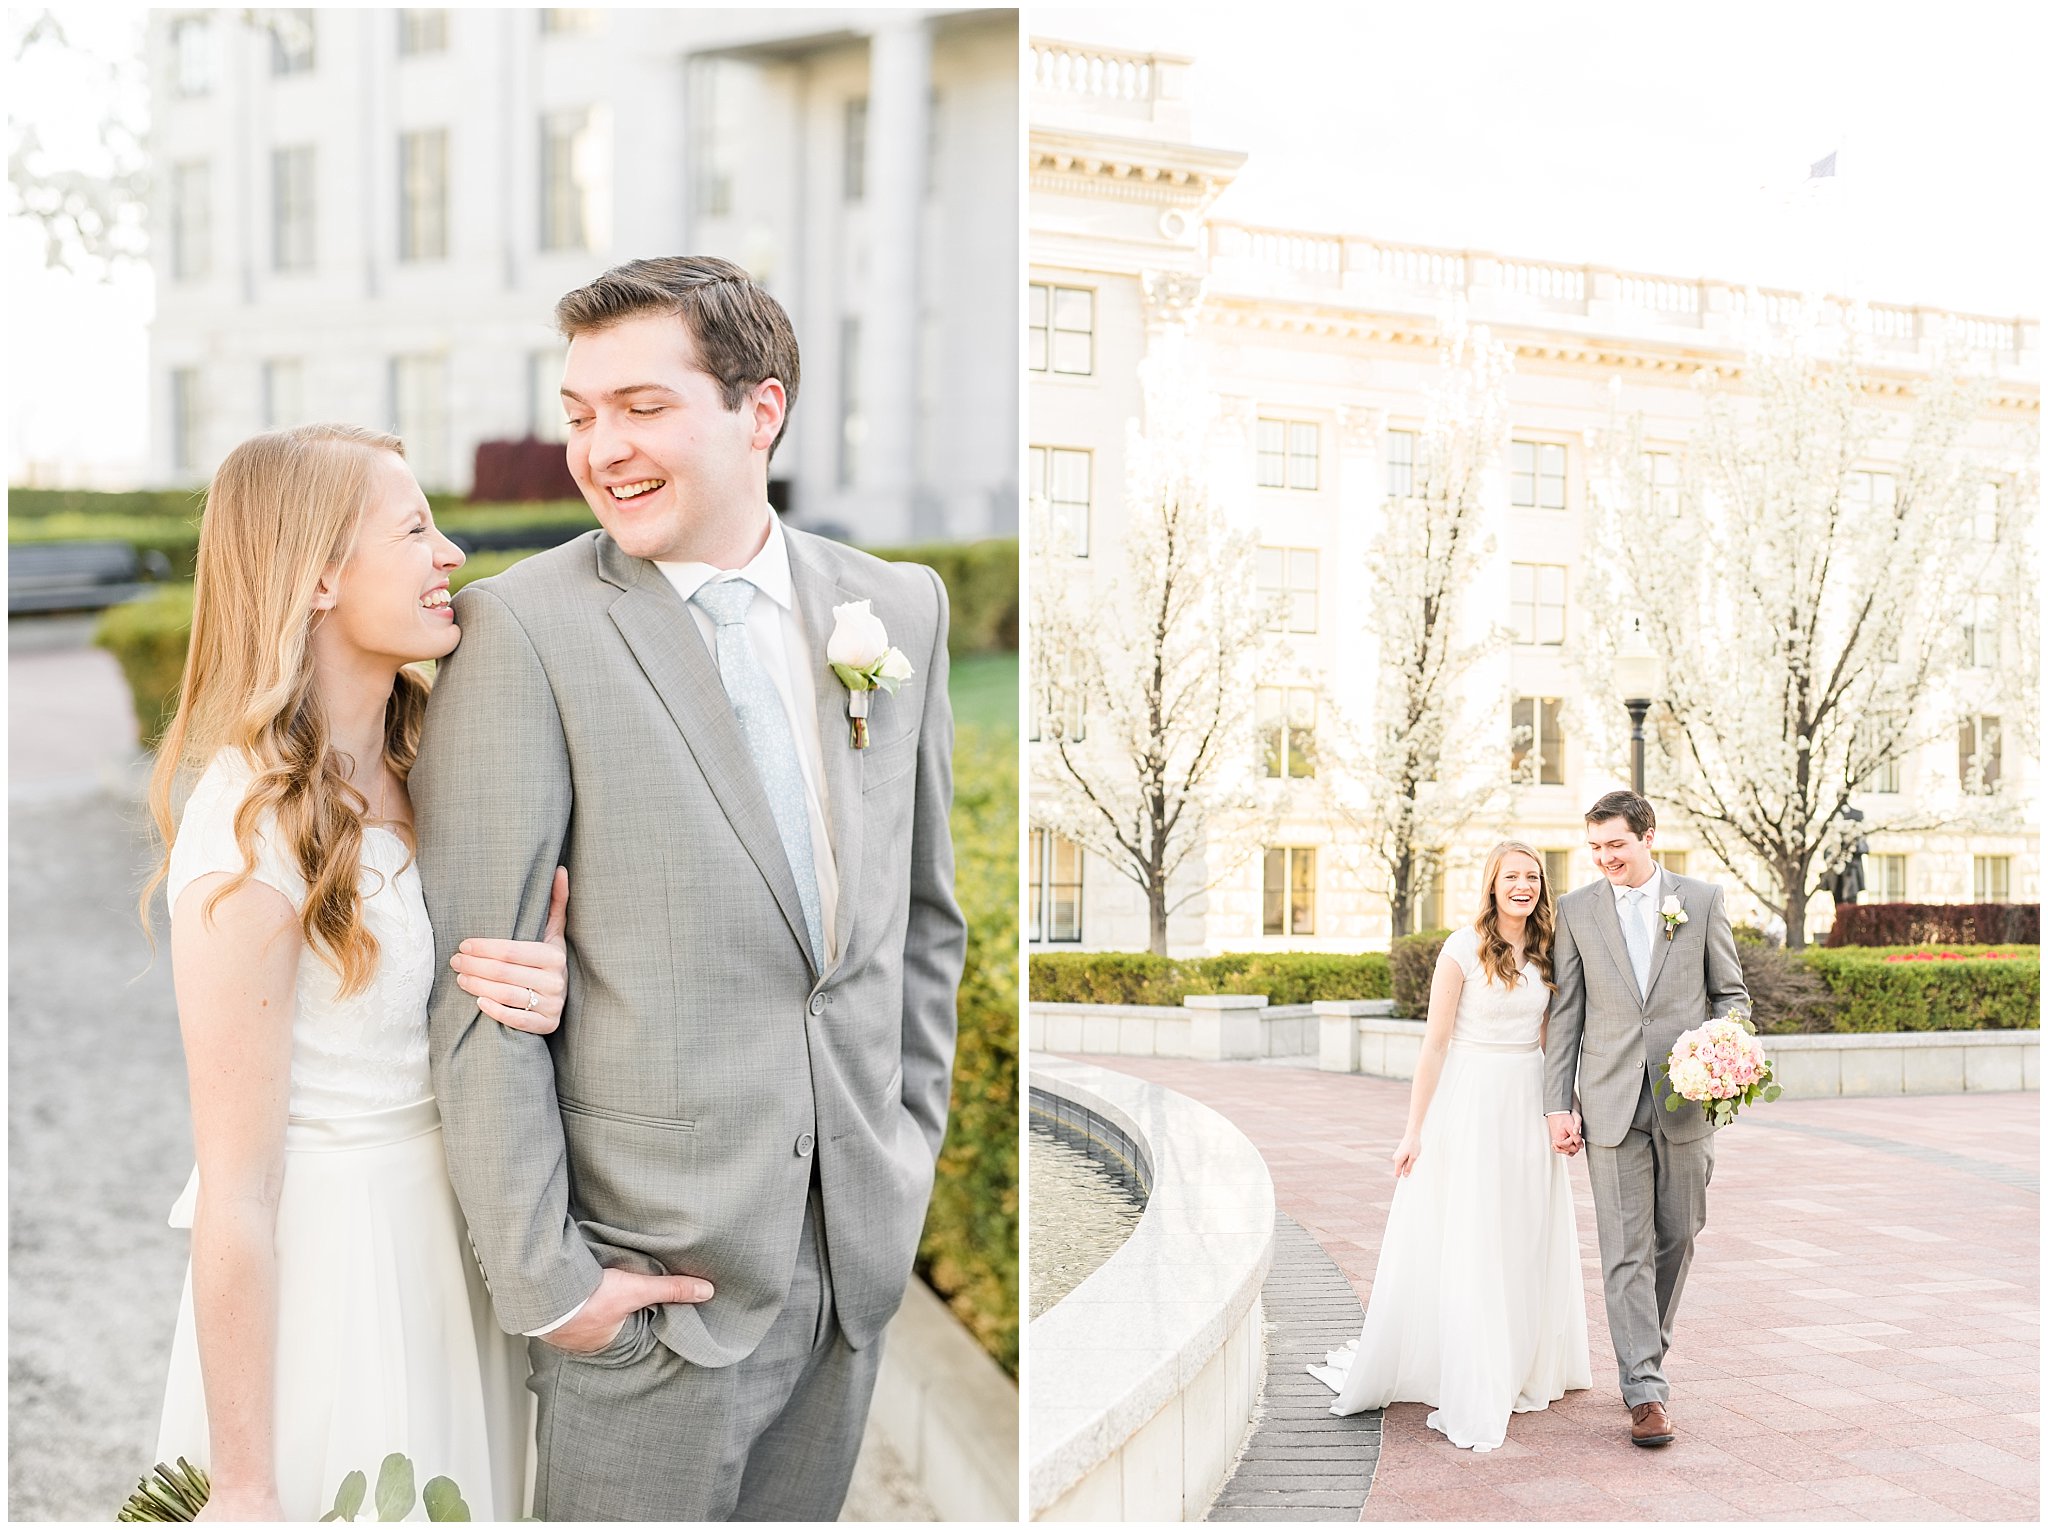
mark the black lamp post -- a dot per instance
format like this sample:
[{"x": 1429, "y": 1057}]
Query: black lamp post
[{"x": 1640, "y": 676}]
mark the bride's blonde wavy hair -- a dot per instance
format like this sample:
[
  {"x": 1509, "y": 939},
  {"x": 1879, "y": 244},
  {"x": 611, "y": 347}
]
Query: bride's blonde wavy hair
[
  {"x": 282, "y": 509},
  {"x": 1496, "y": 956}
]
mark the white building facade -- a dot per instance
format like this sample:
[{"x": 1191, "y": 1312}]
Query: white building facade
[
  {"x": 1320, "y": 349},
  {"x": 368, "y": 215}
]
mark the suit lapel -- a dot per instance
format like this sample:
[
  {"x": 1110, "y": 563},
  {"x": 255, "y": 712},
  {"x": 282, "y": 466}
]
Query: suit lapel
[
  {"x": 817, "y": 592},
  {"x": 671, "y": 653},
  {"x": 1660, "y": 946},
  {"x": 1609, "y": 923}
]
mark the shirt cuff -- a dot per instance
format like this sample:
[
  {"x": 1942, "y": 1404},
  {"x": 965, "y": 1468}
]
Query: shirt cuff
[{"x": 535, "y": 1333}]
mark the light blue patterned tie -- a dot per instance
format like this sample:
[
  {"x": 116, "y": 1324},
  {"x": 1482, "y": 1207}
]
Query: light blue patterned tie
[
  {"x": 1637, "y": 933},
  {"x": 765, "y": 726}
]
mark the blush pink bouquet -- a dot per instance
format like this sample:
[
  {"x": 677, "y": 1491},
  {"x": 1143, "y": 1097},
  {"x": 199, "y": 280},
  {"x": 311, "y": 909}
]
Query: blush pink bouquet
[{"x": 1721, "y": 1067}]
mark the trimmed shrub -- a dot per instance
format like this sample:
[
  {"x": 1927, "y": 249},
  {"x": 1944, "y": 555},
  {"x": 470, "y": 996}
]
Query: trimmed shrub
[
  {"x": 1413, "y": 959},
  {"x": 1785, "y": 993},
  {"x": 1873, "y": 994},
  {"x": 981, "y": 586},
  {"x": 1138, "y": 977},
  {"x": 511, "y": 472},
  {"x": 969, "y": 1250},
  {"x": 1906, "y": 924},
  {"x": 182, "y": 504}
]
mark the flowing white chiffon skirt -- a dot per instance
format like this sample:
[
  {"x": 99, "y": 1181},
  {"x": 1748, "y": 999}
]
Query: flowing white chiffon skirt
[
  {"x": 1477, "y": 1306},
  {"x": 385, "y": 1337}
]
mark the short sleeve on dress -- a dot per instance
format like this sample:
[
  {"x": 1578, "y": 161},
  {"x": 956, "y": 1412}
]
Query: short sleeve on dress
[
  {"x": 206, "y": 836},
  {"x": 1462, "y": 946}
]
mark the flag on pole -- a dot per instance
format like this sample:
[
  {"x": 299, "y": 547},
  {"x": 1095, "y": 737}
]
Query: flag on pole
[{"x": 1823, "y": 169}]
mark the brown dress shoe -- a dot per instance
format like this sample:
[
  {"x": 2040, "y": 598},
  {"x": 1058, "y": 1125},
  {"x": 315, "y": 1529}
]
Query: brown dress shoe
[{"x": 1648, "y": 1425}]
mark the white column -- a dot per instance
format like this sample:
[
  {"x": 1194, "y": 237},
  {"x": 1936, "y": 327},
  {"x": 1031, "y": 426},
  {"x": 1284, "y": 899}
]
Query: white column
[{"x": 899, "y": 104}]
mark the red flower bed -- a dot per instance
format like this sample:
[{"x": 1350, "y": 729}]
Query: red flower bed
[{"x": 1952, "y": 956}]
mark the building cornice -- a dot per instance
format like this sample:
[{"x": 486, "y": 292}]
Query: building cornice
[{"x": 1129, "y": 169}]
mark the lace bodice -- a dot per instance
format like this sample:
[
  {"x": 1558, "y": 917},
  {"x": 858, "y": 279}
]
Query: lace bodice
[
  {"x": 1488, "y": 1013},
  {"x": 364, "y": 1053}
]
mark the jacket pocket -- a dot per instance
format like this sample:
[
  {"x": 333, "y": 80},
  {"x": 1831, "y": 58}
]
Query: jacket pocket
[{"x": 664, "y": 1123}]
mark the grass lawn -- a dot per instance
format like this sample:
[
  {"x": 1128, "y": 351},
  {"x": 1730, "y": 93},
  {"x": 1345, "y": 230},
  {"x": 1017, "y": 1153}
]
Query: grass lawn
[{"x": 984, "y": 689}]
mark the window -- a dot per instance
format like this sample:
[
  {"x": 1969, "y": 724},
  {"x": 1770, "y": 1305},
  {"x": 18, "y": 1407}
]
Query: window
[
  {"x": 1991, "y": 879},
  {"x": 1062, "y": 329},
  {"x": 1426, "y": 894},
  {"x": 284, "y": 394},
  {"x": 1672, "y": 861},
  {"x": 423, "y": 195},
  {"x": 1557, "y": 872},
  {"x": 291, "y": 42},
  {"x": 1536, "y": 475},
  {"x": 1885, "y": 778},
  {"x": 1986, "y": 522},
  {"x": 191, "y": 56},
  {"x": 1290, "y": 454},
  {"x": 572, "y": 176},
  {"x": 545, "y": 417},
  {"x": 1979, "y": 752},
  {"x": 853, "y": 170},
  {"x": 1055, "y": 887},
  {"x": 422, "y": 32},
  {"x": 1290, "y": 892},
  {"x": 1400, "y": 464},
  {"x": 1537, "y": 596},
  {"x": 1287, "y": 588},
  {"x": 1660, "y": 472},
  {"x": 853, "y": 426},
  {"x": 186, "y": 422},
  {"x": 1980, "y": 632},
  {"x": 1884, "y": 879},
  {"x": 1870, "y": 493},
  {"x": 1061, "y": 477},
  {"x": 559, "y": 21},
  {"x": 1063, "y": 702},
  {"x": 291, "y": 209},
  {"x": 1287, "y": 731},
  {"x": 1536, "y": 742},
  {"x": 419, "y": 415},
  {"x": 191, "y": 220}
]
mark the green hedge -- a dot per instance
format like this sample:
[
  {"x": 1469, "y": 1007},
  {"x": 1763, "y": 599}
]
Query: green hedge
[
  {"x": 981, "y": 585},
  {"x": 970, "y": 1245},
  {"x": 1869, "y": 994},
  {"x": 1413, "y": 958},
  {"x": 183, "y": 504},
  {"x": 1136, "y": 977}
]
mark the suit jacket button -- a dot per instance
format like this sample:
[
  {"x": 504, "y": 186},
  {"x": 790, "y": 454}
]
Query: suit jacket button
[
  {"x": 804, "y": 1144},
  {"x": 817, "y": 1004}
]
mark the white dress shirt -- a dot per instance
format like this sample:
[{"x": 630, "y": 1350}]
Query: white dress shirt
[{"x": 776, "y": 630}]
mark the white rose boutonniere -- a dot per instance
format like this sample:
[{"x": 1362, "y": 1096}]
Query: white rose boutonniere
[
  {"x": 861, "y": 657},
  {"x": 1674, "y": 915}
]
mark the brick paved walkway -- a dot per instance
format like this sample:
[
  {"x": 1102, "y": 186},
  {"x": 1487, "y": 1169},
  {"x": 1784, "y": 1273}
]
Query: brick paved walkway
[{"x": 1859, "y": 1338}]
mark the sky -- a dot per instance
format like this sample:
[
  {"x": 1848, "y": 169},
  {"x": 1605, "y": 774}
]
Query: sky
[{"x": 1660, "y": 138}]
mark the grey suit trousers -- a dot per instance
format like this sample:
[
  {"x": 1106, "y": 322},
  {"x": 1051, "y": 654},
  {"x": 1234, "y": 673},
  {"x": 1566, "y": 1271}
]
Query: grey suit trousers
[
  {"x": 636, "y": 1432},
  {"x": 1649, "y": 1194}
]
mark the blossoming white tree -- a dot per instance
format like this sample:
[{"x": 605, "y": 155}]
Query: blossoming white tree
[
  {"x": 1418, "y": 768},
  {"x": 1803, "y": 593},
  {"x": 1144, "y": 679}
]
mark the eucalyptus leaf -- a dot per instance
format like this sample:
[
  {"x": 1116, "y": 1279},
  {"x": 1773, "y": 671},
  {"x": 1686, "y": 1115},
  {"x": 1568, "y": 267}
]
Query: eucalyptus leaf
[
  {"x": 348, "y": 1498},
  {"x": 444, "y": 1500},
  {"x": 395, "y": 1493}
]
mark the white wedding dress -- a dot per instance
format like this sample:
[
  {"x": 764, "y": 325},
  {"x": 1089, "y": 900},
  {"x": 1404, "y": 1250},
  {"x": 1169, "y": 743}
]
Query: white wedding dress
[
  {"x": 1477, "y": 1306},
  {"x": 385, "y": 1337}
]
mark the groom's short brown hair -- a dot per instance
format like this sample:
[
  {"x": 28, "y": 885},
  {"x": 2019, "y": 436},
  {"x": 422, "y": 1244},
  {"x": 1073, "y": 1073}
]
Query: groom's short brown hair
[
  {"x": 1642, "y": 818},
  {"x": 742, "y": 335}
]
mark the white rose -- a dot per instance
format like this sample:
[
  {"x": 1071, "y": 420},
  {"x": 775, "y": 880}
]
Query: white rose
[
  {"x": 1673, "y": 909},
  {"x": 895, "y": 665},
  {"x": 858, "y": 636}
]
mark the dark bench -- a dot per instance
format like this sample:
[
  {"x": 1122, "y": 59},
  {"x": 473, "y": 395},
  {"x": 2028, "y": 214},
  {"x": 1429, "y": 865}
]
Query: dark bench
[{"x": 46, "y": 577}]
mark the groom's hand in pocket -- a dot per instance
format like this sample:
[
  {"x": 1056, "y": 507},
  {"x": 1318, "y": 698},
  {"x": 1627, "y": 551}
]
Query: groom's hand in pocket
[{"x": 620, "y": 1294}]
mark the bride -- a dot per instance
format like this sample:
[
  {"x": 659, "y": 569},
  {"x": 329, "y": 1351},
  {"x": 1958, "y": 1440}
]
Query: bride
[
  {"x": 1478, "y": 1306},
  {"x": 333, "y": 1311}
]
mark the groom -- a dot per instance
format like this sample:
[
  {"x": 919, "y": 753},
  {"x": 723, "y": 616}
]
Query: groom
[
  {"x": 701, "y": 1195},
  {"x": 1639, "y": 959}
]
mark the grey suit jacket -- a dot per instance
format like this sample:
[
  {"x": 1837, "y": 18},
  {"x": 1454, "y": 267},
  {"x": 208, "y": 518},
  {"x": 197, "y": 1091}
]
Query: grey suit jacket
[
  {"x": 1604, "y": 1034},
  {"x": 670, "y": 1124}
]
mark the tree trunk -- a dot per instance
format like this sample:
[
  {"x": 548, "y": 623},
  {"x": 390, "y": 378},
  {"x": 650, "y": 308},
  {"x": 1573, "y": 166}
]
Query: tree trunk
[
  {"x": 1403, "y": 873},
  {"x": 1155, "y": 899},
  {"x": 1795, "y": 912}
]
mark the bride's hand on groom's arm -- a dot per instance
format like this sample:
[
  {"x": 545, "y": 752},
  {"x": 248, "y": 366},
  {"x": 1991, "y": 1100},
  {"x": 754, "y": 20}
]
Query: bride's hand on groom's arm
[
  {"x": 502, "y": 974},
  {"x": 620, "y": 1294}
]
